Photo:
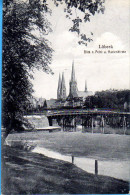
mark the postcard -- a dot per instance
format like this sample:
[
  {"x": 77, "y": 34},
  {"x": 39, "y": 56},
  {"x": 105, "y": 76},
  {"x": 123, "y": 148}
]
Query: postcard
[{"x": 65, "y": 97}]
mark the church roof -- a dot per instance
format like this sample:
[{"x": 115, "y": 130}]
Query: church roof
[{"x": 84, "y": 93}]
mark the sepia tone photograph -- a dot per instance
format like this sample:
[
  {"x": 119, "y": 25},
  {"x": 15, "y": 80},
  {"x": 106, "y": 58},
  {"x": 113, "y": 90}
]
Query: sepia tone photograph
[{"x": 65, "y": 125}]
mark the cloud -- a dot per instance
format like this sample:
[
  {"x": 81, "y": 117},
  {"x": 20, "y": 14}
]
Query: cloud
[
  {"x": 100, "y": 70},
  {"x": 108, "y": 39}
]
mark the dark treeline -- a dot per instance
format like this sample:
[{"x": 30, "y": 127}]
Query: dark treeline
[{"x": 110, "y": 99}]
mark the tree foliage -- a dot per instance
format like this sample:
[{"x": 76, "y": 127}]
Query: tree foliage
[
  {"x": 22, "y": 52},
  {"x": 109, "y": 99},
  {"x": 88, "y": 8}
]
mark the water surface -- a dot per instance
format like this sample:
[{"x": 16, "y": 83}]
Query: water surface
[{"x": 114, "y": 168}]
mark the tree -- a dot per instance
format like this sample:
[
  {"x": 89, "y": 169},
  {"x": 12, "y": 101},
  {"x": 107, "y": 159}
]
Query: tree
[
  {"x": 109, "y": 99},
  {"x": 24, "y": 50}
]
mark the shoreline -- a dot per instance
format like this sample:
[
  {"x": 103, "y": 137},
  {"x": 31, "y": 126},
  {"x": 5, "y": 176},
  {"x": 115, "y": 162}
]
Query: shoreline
[
  {"x": 87, "y": 164},
  {"x": 25, "y": 172}
]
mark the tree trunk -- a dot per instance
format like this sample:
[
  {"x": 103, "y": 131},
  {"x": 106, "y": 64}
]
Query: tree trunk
[
  {"x": 6, "y": 133},
  {"x": 3, "y": 138}
]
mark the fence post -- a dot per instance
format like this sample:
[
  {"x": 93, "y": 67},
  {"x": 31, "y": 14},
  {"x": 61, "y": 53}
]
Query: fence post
[
  {"x": 72, "y": 159},
  {"x": 96, "y": 167}
]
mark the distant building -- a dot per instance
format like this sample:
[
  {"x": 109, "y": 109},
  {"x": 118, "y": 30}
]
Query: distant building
[
  {"x": 36, "y": 102},
  {"x": 51, "y": 103},
  {"x": 73, "y": 90},
  {"x": 73, "y": 84},
  {"x": 85, "y": 93},
  {"x": 40, "y": 101},
  {"x": 61, "y": 91}
]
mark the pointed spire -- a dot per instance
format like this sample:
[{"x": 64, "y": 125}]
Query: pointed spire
[
  {"x": 59, "y": 88},
  {"x": 63, "y": 80},
  {"x": 73, "y": 72},
  {"x": 63, "y": 87},
  {"x": 59, "y": 83},
  {"x": 85, "y": 86}
]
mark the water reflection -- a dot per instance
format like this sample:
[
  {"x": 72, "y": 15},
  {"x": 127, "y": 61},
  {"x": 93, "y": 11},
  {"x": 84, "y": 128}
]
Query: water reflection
[{"x": 102, "y": 130}]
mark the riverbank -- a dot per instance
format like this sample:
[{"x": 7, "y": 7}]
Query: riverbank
[
  {"x": 113, "y": 168},
  {"x": 32, "y": 173},
  {"x": 96, "y": 146}
]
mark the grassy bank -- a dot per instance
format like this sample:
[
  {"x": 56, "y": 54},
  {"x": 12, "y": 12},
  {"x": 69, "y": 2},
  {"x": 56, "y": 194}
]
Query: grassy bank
[
  {"x": 106, "y": 146},
  {"x": 30, "y": 173}
]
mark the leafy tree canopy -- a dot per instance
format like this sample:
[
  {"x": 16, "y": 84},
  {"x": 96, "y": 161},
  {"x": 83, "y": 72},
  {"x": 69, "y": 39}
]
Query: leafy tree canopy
[
  {"x": 109, "y": 99},
  {"x": 22, "y": 52}
]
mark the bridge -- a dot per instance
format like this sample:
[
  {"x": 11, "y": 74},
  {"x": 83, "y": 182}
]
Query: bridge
[
  {"x": 89, "y": 118},
  {"x": 84, "y": 112}
]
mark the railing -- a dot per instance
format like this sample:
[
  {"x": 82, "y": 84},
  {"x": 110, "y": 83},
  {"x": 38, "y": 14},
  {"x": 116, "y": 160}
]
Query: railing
[{"x": 81, "y": 112}]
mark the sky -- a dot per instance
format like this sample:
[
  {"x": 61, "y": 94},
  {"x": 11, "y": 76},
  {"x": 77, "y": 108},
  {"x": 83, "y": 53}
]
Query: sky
[{"x": 102, "y": 71}]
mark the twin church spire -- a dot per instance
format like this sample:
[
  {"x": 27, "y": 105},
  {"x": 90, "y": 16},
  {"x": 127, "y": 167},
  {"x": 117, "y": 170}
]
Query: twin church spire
[
  {"x": 73, "y": 91},
  {"x": 61, "y": 91}
]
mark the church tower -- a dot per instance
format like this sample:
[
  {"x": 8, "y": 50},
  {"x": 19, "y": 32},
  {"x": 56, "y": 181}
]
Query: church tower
[
  {"x": 85, "y": 87},
  {"x": 59, "y": 88},
  {"x": 63, "y": 88},
  {"x": 73, "y": 84}
]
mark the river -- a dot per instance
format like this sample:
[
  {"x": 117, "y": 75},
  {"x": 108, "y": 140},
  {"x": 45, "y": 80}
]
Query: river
[{"x": 114, "y": 168}]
